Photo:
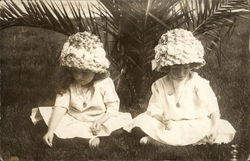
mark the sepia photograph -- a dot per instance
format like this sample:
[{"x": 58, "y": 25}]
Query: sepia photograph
[{"x": 124, "y": 80}]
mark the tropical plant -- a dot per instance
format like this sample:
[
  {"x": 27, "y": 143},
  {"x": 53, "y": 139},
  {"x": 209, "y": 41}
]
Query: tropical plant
[
  {"x": 140, "y": 24},
  {"x": 131, "y": 28}
]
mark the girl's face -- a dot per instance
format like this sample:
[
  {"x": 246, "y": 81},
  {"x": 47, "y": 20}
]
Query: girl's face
[
  {"x": 180, "y": 72},
  {"x": 83, "y": 77}
]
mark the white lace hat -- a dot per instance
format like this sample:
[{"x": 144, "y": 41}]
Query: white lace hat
[
  {"x": 85, "y": 51},
  {"x": 178, "y": 46}
]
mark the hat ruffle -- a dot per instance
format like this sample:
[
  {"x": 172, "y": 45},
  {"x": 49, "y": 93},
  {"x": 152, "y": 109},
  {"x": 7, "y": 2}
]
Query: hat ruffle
[
  {"x": 84, "y": 50},
  {"x": 178, "y": 46}
]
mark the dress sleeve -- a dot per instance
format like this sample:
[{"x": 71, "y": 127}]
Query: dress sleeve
[
  {"x": 63, "y": 99},
  {"x": 154, "y": 105},
  {"x": 110, "y": 97},
  {"x": 207, "y": 96}
]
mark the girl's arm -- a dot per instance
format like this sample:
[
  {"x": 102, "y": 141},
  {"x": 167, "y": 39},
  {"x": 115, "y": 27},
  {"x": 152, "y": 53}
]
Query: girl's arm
[
  {"x": 154, "y": 106},
  {"x": 215, "y": 117},
  {"x": 56, "y": 117},
  {"x": 96, "y": 126},
  {"x": 208, "y": 97},
  {"x": 158, "y": 117},
  {"x": 61, "y": 105},
  {"x": 104, "y": 118},
  {"x": 213, "y": 133},
  {"x": 111, "y": 101}
]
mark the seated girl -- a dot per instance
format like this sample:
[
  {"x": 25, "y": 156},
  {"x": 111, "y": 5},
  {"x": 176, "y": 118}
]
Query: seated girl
[
  {"x": 87, "y": 105},
  {"x": 183, "y": 108}
]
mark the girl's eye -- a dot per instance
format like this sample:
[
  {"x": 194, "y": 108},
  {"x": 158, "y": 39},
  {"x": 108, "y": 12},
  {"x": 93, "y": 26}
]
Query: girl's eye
[
  {"x": 175, "y": 68},
  {"x": 180, "y": 67}
]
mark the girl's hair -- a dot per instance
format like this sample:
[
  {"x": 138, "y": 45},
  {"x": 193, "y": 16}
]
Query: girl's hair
[{"x": 64, "y": 78}]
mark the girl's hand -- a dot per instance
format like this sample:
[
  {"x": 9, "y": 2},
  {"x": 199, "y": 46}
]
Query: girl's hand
[
  {"x": 168, "y": 124},
  {"x": 158, "y": 117},
  {"x": 212, "y": 135},
  {"x": 95, "y": 128},
  {"x": 48, "y": 138}
]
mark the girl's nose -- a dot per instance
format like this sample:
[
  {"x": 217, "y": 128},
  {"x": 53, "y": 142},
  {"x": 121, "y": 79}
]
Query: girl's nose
[
  {"x": 179, "y": 69},
  {"x": 77, "y": 75}
]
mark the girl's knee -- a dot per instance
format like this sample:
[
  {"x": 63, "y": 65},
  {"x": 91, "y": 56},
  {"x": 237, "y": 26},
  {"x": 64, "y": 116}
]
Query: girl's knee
[
  {"x": 137, "y": 132},
  {"x": 118, "y": 132}
]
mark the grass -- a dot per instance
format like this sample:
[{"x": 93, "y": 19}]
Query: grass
[{"x": 18, "y": 139}]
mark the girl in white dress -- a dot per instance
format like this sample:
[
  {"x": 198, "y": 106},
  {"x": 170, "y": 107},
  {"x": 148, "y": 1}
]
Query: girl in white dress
[
  {"x": 87, "y": 105},
  {"x": 183, "y": 108}
]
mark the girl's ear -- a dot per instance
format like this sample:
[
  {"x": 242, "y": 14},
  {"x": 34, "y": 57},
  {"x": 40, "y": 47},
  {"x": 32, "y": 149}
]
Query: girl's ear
[{"x": 62, "y": 79}]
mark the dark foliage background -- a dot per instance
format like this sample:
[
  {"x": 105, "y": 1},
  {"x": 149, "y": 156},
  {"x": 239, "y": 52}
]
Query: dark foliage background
[{"x": 28, "y": 62}]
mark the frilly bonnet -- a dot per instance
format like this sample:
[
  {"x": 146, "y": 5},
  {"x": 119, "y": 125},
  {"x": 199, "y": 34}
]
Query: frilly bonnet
[
  {"x": 178, "y": 46},
  {"x": 84, "y": 51}
]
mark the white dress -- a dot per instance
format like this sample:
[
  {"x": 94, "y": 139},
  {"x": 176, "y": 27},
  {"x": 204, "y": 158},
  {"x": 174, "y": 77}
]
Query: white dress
[
  {"x": 84, "y": 106},
  {"x": 190, "y": 121}
]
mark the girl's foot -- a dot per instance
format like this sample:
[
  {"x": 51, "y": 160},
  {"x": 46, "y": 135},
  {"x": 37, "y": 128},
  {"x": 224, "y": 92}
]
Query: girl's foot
[
  {"x": 94, "y": 142},
  {"x": 145, "y": 140},
  {"x": 148, "y": 140}
]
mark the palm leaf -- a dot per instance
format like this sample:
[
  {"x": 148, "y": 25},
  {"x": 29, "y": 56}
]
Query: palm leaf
[
  {"x": 207, "y": 18},
  {"x": 139, "y": 25},
  {"x": 47, "y": 15},
  {"x": 131, "y": 28},
  {"x": 52, "y": 16},
  {"x": 136, "y": 27}
]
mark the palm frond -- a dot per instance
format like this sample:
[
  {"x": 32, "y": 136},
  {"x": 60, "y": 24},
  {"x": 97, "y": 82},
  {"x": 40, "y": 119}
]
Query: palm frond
[
  {"x": 54, "y": 16},
  {"x": 130, "y": 29},
  {"x": 207, "y": 18},
  {"x": 138, "y": 25},
  {"x": 47, "y": 15}
]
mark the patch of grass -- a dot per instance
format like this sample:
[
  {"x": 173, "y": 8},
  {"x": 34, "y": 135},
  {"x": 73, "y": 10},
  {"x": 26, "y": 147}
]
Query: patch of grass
[{"x": 18, "y": 138}]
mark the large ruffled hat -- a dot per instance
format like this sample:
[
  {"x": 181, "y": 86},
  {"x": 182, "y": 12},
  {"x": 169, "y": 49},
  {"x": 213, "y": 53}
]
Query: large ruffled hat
[
  {"x": 85, "y": 51},
  {"x": 178, "y": 46}
]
